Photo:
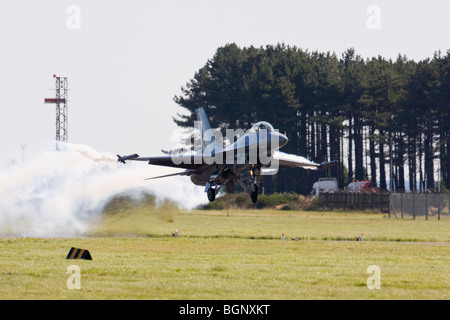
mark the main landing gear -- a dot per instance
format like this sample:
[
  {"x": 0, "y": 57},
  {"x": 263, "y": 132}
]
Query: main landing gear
[
  {"x": 248, "y": 181},
  {"x": 211, "y": 194}
]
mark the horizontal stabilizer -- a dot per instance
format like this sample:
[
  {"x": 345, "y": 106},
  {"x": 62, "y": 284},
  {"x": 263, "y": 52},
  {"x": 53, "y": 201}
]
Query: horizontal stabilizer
[
  {"x": 324, "y": 164},
  {"x": 286, "y": 160}
]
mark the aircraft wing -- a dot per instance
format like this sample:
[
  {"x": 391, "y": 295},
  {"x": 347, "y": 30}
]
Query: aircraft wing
[
  {"x": 286, "y": 160},
  {"x": 191, "y": 162}
]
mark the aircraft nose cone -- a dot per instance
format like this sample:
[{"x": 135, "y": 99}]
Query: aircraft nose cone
[{"x": 282, "y": 140}]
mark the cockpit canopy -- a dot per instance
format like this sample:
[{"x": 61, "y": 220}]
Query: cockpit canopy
[{"x": 261, "y": 125}]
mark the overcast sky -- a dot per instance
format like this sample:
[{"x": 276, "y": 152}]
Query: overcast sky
[{"x": 125, "y": 60}]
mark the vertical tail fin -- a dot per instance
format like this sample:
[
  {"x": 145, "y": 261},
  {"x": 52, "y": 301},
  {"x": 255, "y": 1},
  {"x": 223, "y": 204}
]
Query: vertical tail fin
[{"x": 204, "y": 124}]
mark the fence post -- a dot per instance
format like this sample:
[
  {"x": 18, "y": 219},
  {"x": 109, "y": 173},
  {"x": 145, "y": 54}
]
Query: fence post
[
  {"x": 426, "y": 205},
  {"x": 414, "y": 206},
  {"x": 401, "y": 203},
  {"x": 390, "y": 205},
  {"x": 439, "y": 206},
  {"x": 345, "y": 201},
  {"x": 321, "y": 201}
]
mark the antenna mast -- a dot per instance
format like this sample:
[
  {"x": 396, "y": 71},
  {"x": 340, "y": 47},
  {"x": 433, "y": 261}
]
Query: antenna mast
[{"x": 61, "y": 108}]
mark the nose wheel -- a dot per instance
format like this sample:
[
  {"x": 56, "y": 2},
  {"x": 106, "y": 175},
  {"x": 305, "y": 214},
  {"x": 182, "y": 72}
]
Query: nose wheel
[
  {"x": 254, "y": 193},
  {"x": 254, "y": 172}
]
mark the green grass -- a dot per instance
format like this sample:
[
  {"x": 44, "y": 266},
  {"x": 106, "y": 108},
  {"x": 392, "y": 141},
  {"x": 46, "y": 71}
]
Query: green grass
[{"x": 240, "y": 256}]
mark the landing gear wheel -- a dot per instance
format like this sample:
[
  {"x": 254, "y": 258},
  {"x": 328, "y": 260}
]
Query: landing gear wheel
[
  {"x": 254, "y": 193},
  {"x": 211, "y": 194}
]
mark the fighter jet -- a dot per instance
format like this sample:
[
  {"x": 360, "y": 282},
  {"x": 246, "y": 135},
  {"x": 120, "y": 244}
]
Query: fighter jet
[{"x": 244, "y": 159}]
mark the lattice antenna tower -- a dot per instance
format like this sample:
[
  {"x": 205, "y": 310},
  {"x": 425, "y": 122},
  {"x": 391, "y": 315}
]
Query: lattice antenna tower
[{"x": 61, "y": 108}]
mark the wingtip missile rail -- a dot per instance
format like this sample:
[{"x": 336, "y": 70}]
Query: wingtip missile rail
[{"x": 125, "y": 158}]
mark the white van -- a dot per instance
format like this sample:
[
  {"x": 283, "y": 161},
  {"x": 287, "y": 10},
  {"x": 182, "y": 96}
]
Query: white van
[{"x": 325, "y": 185}]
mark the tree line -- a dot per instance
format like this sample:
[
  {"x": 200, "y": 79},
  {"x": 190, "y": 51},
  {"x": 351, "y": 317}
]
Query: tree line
[{"x": 379, "y": 117}]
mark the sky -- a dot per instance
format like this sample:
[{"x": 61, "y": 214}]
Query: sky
[{"x": 126, "y": 60}]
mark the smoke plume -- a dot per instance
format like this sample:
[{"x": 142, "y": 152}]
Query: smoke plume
[{"x": 60, "y": 193}]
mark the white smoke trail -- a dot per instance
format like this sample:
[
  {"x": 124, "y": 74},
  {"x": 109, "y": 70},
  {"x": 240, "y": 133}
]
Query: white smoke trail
[{"x": 59, "y": 194}]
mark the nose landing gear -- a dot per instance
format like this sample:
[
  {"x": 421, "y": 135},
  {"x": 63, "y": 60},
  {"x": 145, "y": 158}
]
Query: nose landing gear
[{"x": 254, "y": 193}]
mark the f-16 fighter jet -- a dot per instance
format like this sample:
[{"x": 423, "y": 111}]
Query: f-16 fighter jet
[{"x": 250, "y": 155}]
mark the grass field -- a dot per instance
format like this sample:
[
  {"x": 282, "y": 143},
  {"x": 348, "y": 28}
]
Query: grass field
[{"x": 240, "y": 256}]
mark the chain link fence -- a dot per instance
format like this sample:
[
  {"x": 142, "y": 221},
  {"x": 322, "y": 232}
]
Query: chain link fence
[
  {"x": 355, "y": 201},
  {"x": 419, "y": 205}
]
